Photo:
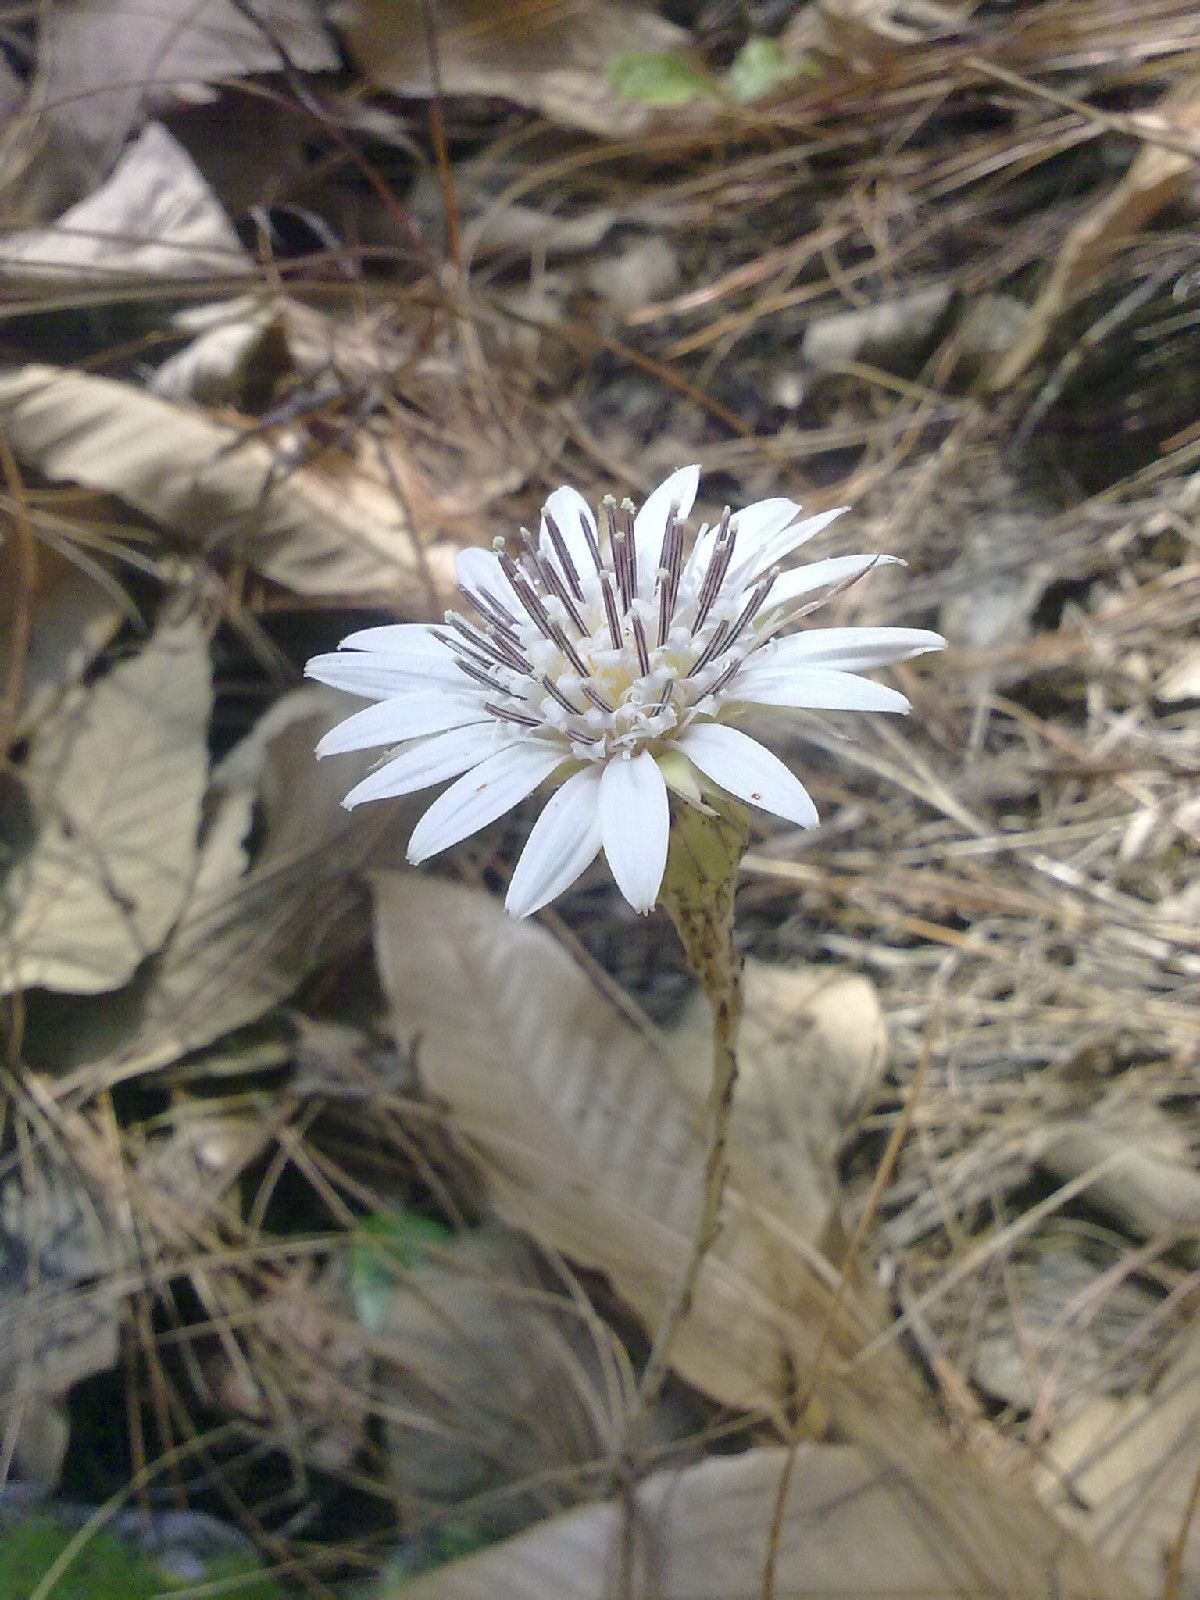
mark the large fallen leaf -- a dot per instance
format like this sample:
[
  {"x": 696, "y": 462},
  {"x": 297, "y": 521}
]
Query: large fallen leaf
[
  {"x": 332, "y": 527},
  {"x": 553, "y": 58},
  {"x": 246, "y": 938},
  {"x": 72, "y": 615},
  {"x": 154, "y": 218},
  {"x": 812, "y": 1043},
  {"x": 61, "y": 1254},
  {"x": 588, "y": 1142},
  {"x": 117, "y": 783},
  {"x": 851, "y": 1530},
  {"x": 104, "y": 63}
]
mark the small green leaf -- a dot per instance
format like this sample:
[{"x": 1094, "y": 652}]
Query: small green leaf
[
  {"x": 387, "y": 1244},
  {"x": 658, "y": 80},
  {"x": 760, "y": 66}
]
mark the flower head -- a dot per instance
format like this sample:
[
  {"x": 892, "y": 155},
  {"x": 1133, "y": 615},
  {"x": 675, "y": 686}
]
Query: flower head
[{"x": 604, "y": 659}]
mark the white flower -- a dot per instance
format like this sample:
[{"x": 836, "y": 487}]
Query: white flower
[{"x": 613, "y": 666}]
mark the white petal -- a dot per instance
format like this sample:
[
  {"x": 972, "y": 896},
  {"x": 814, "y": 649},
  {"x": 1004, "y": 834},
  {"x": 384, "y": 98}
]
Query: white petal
[
  {"x": 480, "y": 570},
  {"x": 563, "y": 843},
  {"x": 635, "y": 824},
  {"x": 410, "y": 716},
  {"x": 648, "y": 526},
  {"x": 749, "y": 771},
  {"x": 762, "y": 553},
  {"x": 431, "y": 761},
  {"x": 567, "y": 506},
  {"x": 407, "y": 637},
  {"x": 851, "y": 649},
  {"x": 376, "y": 677},
  {"x": 482, "y": 795},
  {"x": 803, "y": 581},
  {"x": 814, "y": 689}
]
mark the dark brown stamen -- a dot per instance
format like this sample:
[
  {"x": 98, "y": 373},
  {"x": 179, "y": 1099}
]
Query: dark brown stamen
[
  {"x": 556, "y": 693},
  {"x": 506, "y": 714},
  {"x": 590, "y": 537},
  {"x": 472, "y": 671},
  {"x": 718, "y": 566},
  {"x": 719, "y": 683},
  {"x": 639, "y": 639},
  {"x": 563, "y": 554},
  {"x": 610, "y": 609},
  {"x": 627, "y": 514},
  {"x": 753, "y": 606},
  {"x": 712, "y": 649},
  {"x": 597, "y": 699},
  {"x": 669, "y": 572}
]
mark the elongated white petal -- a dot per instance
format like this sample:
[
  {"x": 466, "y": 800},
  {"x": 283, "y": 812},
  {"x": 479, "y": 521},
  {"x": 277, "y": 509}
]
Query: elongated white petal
[
  {"x": 377, "y": 677},
  {"x": 761, "y": 555},
  {"x": 814, "y": 689},
  {"x": 409, "y": 717},
  {"x": 748, "y": 770},
  {"x": 431, "y": 761},
  {"x": 562, "y": 844},
  {"x": 408, "y": 637},
  {"x": 649, "y": 524},
  {"x": 482, "y": 795},
  {"x": 850, "y": 649},
  {"x": 635, "y": 825},
  {"x": 802, "y": 581},
  {"x": 480, "y": 570},
  {"x": 567, "y": 507}
]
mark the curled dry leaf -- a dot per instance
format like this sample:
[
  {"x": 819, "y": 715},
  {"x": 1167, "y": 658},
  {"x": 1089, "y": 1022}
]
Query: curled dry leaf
[
  {"x": 554, "y": 58},
  {"x": 154, "y": 218},
  {"x": 851, "y": 1527},
  {"x": 329, "y": 527},
  {"x": 812, "y": 1044},
  {"x": 117, "y": 781}
]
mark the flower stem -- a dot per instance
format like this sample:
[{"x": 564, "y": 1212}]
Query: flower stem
[{"x": 698, "y": 894}]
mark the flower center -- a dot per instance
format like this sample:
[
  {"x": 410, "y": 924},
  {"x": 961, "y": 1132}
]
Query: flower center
[{"x": 605, "y": 659}]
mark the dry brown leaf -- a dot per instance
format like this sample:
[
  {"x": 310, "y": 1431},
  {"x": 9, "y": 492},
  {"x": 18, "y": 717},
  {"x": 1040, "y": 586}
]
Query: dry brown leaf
[
  {"x": 1145, "y": 1173},
  {"x": 104, "y": 63},
  {"x": 494, "y": 1386},
  {"x": 1153, "y": 180},
  {"x": 1132, "y": 1464},
  {"x": 589, "y": 1145},
  {"x": 330, "y": 527},
  {"x": 154, "y": 218},
  {"x": 117, "y": 782},
  {"x": 72, "y": 617},
  {"x": 1181, "y": 681},
  {"x": 552, "y": 58},
  {"x": 812, "y": 1044},
  {"x": 60, "y": 1252},
  {"x": 246, "y": 939},
  {"x": 852, "y": 1529}
]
